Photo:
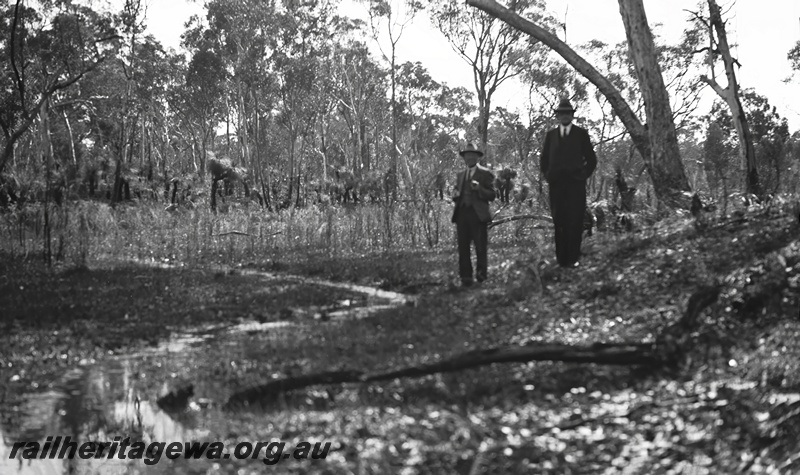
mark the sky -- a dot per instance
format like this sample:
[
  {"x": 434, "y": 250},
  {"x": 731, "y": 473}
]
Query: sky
[{"x": 764, "y": 32}]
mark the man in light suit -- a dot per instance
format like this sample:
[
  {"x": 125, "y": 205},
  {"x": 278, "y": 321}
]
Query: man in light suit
[
  {"x": 567, "y": 161},
  {"x": 473, "y": 191}
]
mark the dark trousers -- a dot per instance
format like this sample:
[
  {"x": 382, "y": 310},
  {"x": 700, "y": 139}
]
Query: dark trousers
[
  {"x": 470, "y": 230},
  {"x": 567, "y": 205}
]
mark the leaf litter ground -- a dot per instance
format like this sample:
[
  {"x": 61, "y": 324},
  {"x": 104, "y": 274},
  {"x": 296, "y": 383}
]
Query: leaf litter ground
[{"x": 732, "y": 407}]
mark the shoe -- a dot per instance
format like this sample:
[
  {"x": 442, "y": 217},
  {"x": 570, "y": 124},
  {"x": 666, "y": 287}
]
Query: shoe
[{"x": 466, "y": 282}]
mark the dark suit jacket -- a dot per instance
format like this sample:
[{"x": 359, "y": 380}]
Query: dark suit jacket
[
  {"x": 480, "y": 197},
  {"x": 571, "y": 157}
]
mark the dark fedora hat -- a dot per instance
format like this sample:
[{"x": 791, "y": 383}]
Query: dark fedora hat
[
  {"x": 564, "y": 106},
  {"x": 471, "y": 148}
]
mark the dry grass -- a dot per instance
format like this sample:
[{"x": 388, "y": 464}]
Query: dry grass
[{"x": 90, "y": 231}]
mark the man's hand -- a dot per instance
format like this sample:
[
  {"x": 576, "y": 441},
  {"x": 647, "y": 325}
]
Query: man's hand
[{"x": 474, "y": 184}]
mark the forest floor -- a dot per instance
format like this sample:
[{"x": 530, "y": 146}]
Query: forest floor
[{"x": 733, "y": 406}]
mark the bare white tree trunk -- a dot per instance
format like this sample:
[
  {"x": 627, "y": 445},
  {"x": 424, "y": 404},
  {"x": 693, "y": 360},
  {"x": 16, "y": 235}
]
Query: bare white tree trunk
[
  {"x": 730, "y": 95},
  {"x": 666, "y": 167},
  {"x": 657, "y": 142}
]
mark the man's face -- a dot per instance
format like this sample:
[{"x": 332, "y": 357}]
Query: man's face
[
  {"x": 565, "y": 117},
  {"x": 471, "y": 158}
]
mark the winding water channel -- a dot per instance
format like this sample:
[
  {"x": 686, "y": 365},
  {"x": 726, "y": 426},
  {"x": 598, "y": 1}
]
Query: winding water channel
[{"x": 98, "y": 400}]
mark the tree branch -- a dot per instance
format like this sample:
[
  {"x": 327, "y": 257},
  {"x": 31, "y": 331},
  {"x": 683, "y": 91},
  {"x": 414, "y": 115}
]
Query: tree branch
[
  {"x": 618, "y": 103},
  {"x": 57, "y": 86},
  {"x": 519, "y": 217},
  {"x": 714, "y": 85},
  {"x": 668, "y": 351}
]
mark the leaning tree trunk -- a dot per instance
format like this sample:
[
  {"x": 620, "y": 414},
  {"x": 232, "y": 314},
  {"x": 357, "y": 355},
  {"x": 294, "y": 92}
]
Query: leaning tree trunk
[
  {"x": 669, "y": 178},
  {"x": 626, "y": 115},
  {"x": 666, "y": 168},
  {"x": 730, "y": 95}
]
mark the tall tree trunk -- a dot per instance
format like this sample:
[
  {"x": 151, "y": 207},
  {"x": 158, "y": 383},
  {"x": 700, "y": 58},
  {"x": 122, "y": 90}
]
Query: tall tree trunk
[
  {"x": 243, "y": 129},
  {"x": 261, "y": 167},
  {"x": 142, "y": 144},
  {"x": 290, "y": 175},
  {"x": 393, "y": 167},
  {"x": 626, "y": 115},
  {"x": 116, "y": 193},
  {"x": 666, "y": 168},
  {"x": 46, "y": 150},
  {"x": 204, "y": 153},
  {"x": 485, "y": 111},
  {"x": 323, "y": 145},
  {"x": 483, "y": 108},
  {"x": 71, "y": 143},
  {"x": 150, "y": 165},
  {"x": 668, "y": 188},
  {"x": 165, "y": 147},
  {"x": 730, "y": 95},
  {"x": 362, "y": 134}
]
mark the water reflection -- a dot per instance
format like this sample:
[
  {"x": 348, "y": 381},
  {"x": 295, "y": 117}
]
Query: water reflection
[
  {"x": 115, "y": 399},
  {"x": 90, "y": 404}
]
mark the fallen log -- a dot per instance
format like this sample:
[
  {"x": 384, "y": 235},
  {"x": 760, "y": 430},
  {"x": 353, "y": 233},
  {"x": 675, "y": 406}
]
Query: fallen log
[
  {"x": 232, "y": 233},
  {"x": 263, "y": 392},
  {"x": 518, "y": 217},
  {"x": 599, "y": 353},
  {"x": 668, "y": 350}
]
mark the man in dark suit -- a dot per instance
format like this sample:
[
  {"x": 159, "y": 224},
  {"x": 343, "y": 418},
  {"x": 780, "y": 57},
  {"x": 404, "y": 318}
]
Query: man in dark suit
[
  {"x": 473, "y": 191},
  {"x": 567, "y": 161}
]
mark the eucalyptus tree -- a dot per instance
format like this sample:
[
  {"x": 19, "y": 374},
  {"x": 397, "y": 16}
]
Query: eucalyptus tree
[
  {"x": 361, "y": 86},
  {"x": 434, "y": 116},
  {"x": 432, "y": 108},
  {"x": 547, "y": 81},
  {"x": 162, "y": 72},
  {"x": 516, "y": 141},
  {"x": 719, "y": 48},
  {"x": 201, "y": 102},
  {"x": 430, "y": 116},
  {"x": 124, "y": 106},
  {"x": 244, "y": 34},
  {"x": 305, "y": 43},
  {"x": 490, "y": 46},
  {"x": 416, "y": 101},
  {"x": 395, "y": 16},
  {"x": 132, "y": 25},
  {"x": 657, "y": 143},
  {"x": 769, "y": 133},
  {"x": 666, "y": 165},
  {"x": 682, "y": 83},
  {"x": 716, "y": 153},
  {"x": 51, "y": 46}
]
